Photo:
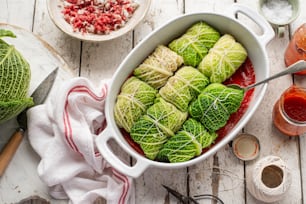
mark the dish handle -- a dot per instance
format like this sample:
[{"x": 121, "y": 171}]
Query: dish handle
[
  {"x": 268, "y": 32},
  {"x": 103, "y": 146}
]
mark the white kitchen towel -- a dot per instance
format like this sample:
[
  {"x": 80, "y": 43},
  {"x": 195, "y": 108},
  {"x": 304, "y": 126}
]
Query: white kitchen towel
[{"x": 63, "y": 131}]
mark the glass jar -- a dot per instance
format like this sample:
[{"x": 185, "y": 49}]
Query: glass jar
[
  {"x": 289, "y": 112},
  {"x": 296, "y": 49}
]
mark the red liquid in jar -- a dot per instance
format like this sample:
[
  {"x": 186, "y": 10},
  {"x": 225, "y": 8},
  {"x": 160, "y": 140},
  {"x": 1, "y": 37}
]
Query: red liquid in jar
[
  {"x": 289, "y": 113},
  {"x": 296, "y": 49},
  {"x": 295, "y": 107}
]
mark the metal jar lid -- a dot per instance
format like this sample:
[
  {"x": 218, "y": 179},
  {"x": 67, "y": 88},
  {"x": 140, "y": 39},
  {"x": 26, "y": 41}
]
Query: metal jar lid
[{"x": 246, "y": 146}]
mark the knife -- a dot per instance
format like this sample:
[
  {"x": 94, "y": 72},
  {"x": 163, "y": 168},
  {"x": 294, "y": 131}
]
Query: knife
[{"x": 39, "y": 96}]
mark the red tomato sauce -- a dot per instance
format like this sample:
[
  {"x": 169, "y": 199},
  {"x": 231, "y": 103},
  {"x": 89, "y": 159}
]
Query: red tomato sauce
[
  {"x": 244, "y": 76},
  {"x": 295, "y": 107},
  {"x": 296, "y": 49},
  {"x": 289, "y": 112},
  {"x": 133, "y": 144}
]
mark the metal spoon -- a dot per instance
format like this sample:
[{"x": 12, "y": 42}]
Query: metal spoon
[{"x": 296, "y": 67}]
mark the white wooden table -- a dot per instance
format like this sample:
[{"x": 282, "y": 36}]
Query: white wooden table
[{"x": 223, "y": 174}]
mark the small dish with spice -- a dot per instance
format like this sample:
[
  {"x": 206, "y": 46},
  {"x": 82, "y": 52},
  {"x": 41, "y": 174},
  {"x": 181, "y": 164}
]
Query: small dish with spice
[
  {"x": 279, "y": 13},
  {"x": 97, "y": 20}
]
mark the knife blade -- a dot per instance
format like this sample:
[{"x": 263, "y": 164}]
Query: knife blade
[{"x": 39, "y": 96}]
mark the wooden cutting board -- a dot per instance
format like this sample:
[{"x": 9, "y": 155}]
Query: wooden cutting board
[
  {"x": 23, "y": 180},
  {"x": 42, "y": 59}
]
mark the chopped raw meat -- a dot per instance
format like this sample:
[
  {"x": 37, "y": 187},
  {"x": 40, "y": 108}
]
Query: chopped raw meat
[{"x": 98, "y": 16}]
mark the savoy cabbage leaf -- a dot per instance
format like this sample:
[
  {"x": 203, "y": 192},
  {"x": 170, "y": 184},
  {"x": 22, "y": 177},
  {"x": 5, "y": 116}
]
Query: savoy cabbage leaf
[
  {"x": 223, "y": 59},
  {"x": 15, "y": 76},
  {"x": 161, "y": 121},
  {"x": 201, "y": 134},
  {"x": 215, "y": 104},
  {"x": 134, "y": 99},
  {"x": 187, "y": 143},
  {"x": 159, "y": 66},
  {"x": 185, "y": 85},
  {"x": 195, "y": 43},
  {"x": 149, "y": 136},
  {"x": 179, "y": 148}
]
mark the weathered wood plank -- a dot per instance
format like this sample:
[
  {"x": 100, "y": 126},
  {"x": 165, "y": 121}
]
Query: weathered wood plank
[
  {"x": 301, "y": 81},
  {"x": 98, "y": 64},
  {"x": 25, "y": 11},
  {"x": 222, "y": 174},
  {"x": 148, "y": 186},
  {"x": 260, "y": 125},
  {"x": 9, "y": 187},
  {"x": 192, "y": 6},
  {"x": 21, "y": 179},
  {"x": 100, "y": 60},
  {"x": 7, "y": 17},
  {"x": 67, "y": 47}
]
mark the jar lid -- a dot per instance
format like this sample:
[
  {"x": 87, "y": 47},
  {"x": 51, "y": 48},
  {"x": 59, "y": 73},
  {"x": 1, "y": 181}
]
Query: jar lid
[{"x": 246, "y": 146}]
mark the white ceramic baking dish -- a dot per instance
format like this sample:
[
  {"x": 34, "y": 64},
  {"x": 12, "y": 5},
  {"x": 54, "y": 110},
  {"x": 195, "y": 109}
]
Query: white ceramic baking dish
[{"x": 255, "y": 45}]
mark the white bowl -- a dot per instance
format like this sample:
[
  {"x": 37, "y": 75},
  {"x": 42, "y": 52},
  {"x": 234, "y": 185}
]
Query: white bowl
[
  {"x": 55, "y": 11},
  {"x": 255, "y": 45}
]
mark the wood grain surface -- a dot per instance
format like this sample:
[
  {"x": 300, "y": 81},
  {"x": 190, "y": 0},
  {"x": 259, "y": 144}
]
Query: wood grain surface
[{"x": 223, "y": 174}]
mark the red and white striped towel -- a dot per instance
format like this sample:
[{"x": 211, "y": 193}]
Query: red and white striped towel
[{"x": 62, "y": 131}]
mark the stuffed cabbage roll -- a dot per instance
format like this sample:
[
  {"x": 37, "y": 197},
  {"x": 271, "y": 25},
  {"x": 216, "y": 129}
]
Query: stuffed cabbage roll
[
  {"x": 201, "y": 134},
  {"x": 167, "y": 116},
  {"x": 159, "y": 66},
  {"x": 195, "y": 43},
  {"x": 181, "y": 88},
  {"x": 134, "y": 99},
  {"x": 187, "y": 143},
  {"x": 179, "y": 148},
  {"x": 215, "y": 104},
  {"x": 223, "y": 59},
  {"x": 152, "y": 130},
  {"x": 149, "y": 135}
]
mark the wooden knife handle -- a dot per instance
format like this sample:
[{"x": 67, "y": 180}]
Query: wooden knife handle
[{"x": 9, "y": 150}]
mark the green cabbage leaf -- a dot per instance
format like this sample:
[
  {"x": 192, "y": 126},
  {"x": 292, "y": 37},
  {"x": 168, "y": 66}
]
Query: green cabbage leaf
[
  {"x": 223, "y": 59},
  {"x": 215, "y": 104},
  {"x": 134, "y": 99},
  {"x": 159, "y": 66},
  {"x": 149, "y": 135},
  {"x": 15, "y": 76},
  {"x": 184, "y": 86},
  {"x": 152, "y": 130},
  {"x": 179, "y": 148},
  {"x": 195, "y": 43},
  {"x": 187, "y": 143},
  {"x": 201, "y": 134}
]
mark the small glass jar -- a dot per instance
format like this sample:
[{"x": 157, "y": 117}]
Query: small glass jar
[
  {"x": 289, "y": 112},
  {"x": 296, "y": 49}
]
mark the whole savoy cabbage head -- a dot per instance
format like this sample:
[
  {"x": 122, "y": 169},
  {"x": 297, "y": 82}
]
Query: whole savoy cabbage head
[{"x": 15, "y": 76}]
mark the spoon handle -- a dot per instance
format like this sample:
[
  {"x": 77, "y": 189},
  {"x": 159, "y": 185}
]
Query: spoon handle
[{"x": 296, "y": 67}]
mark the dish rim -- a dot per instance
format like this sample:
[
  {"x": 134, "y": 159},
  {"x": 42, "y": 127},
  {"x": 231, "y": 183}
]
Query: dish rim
[{"x": 54, "y": 8}]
